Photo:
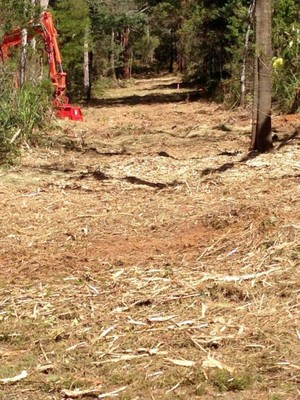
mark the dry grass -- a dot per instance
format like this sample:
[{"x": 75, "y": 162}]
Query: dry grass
[{"x": 145, "y": 257}]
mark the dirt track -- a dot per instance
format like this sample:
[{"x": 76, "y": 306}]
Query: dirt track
[{"x": 145, "y": 251}]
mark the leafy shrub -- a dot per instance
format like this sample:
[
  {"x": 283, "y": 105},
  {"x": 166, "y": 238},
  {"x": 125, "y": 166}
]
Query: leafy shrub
[
  {"x": 23, "y": 113},
  {"x": 285, "y": 85},
  {"x": 286, "y": 28}
]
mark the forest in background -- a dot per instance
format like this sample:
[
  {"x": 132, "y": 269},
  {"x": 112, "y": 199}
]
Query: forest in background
[
  {"x": 104, "y": 43},
  {"x": 200, "y": 39}
]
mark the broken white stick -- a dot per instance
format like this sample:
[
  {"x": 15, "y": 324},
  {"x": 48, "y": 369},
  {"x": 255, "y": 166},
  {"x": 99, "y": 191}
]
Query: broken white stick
[
  {"x": 16, "y": 378},
  {"x": 181, "y": 363},
  {"x": 76, "y": 394},
  {"x": 112, "y": 394}
]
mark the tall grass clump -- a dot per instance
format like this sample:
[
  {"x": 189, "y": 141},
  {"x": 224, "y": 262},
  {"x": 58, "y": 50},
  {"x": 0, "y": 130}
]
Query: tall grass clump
[
  {"x": 24, "y": 113},
  {"x": 285, "y": 86}
]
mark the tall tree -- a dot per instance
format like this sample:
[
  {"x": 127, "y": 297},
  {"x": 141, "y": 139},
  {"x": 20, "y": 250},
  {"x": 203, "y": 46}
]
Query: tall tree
[
  {"x": 245, "y": 54},
  {"x": 116, "y": 25},
  {"x": 261, "y": 123}
]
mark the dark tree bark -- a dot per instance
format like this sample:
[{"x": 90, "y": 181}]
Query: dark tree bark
[
  {"x": 261, "y": 122},
  {"x": 126, "y": 52},
  {"x": 171, "y": 65}
]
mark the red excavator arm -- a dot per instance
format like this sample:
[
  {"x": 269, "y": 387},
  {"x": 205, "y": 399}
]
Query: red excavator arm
[{"x": 47, "y": 31}]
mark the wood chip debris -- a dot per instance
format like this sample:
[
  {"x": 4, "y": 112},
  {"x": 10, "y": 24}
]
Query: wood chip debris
[
  {"x": 239, "y": 278},
  {"x": 202, "y": 269}
]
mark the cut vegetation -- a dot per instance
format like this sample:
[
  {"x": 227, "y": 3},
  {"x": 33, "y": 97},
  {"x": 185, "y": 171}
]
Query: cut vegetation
[{"x": 145, "y": 255}]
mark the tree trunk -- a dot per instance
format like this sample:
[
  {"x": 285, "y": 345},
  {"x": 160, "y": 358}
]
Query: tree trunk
[
  {"x": 261, "y": 123},
  {"x": 171, "y": 64},
  {"x": 86, "y": 68},
  {"x": 112, "y": 71},
  {"x": 126, "y": 52},
  {"x": 245, "y": 54},
  {"x": 91, "y": 58},
  {"x": 44, "y": 4},
  {"x": 23, "y": 56}
]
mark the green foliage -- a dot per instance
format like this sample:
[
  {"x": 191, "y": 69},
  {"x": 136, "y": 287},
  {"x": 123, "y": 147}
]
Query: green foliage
[
  {"x": 102, "y": 84},
  {"x": 23, "y": 113},
  {"x": 72, "y": 23},
  {"x": 110, "y": 20},
  {"x": 286, "y": 43},
  {"x": 276, "y": 397},
  {"x": 165, "y": 19},
  {"x": 17, "y": 12},
  {"x": 144, "y": 49},
  {"x": 202, "y": 39},
  {"x": 212, "y": 40}
]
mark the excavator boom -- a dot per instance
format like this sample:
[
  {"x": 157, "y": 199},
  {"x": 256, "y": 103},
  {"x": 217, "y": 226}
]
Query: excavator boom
[{"x": 46, "y": 29}]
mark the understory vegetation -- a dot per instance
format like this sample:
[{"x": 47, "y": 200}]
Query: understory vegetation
[{"x": 24, "y": 113}]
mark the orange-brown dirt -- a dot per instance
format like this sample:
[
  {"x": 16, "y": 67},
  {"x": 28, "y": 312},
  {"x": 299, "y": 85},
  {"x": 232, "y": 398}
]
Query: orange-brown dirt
[{"x": 145, "y": 254}]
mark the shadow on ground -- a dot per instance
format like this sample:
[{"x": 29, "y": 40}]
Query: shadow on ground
[
  {"x": 156, "y": 98},
  {"x": 250, "y": 155}
]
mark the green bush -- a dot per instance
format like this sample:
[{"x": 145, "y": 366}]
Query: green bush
[
  {"x": 224, "y": 381},
  {"x": 23, "y": 113},
  {"x": 286, "y": 42},
  {"x": 285, "y": 85}
]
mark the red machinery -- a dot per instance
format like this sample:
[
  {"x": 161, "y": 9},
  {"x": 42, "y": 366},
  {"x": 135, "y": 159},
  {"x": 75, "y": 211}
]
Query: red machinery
[{"x": 47, "y": 31}]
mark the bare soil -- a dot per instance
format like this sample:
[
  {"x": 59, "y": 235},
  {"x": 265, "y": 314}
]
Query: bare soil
[{"x": 145, "y": 254}]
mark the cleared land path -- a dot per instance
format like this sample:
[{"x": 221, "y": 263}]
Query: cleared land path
[{"x": 144, "y": 252}]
